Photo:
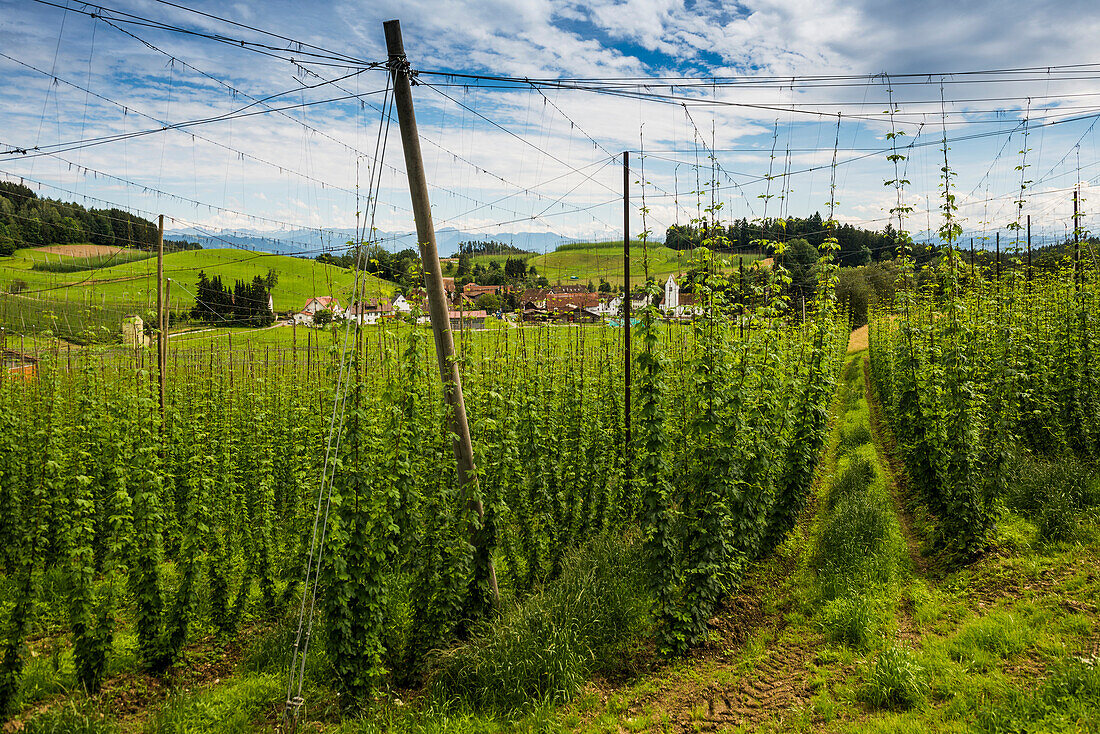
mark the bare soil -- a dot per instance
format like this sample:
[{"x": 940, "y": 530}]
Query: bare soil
[{"x": 82, "y": 250}]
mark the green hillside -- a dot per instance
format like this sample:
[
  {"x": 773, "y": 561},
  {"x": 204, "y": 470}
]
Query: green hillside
[
  {"x": 134, "y": 283},
  {"x": 592, "y": 261}
]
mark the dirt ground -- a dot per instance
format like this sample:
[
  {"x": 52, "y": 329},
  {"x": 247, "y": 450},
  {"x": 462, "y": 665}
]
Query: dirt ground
[
  {"x": 80, "y": 250},
  {"x": 858, "y": 340}
]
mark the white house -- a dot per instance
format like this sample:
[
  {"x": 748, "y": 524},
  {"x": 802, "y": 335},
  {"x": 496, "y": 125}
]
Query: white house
[
  {"x": 368, "y": 312},
  {"x": 322, "y": 303},
  {"x": 400, "y": 305},
  {"x": 315, "y": 304},
  {"x": 607, "y": 306}
]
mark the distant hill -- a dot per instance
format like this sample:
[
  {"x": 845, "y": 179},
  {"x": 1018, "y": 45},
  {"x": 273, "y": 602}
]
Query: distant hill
[
  {"x": 134, "y": 283},
  {"x": 583, "y": 262},
  {"x": 312, "y": 242}
]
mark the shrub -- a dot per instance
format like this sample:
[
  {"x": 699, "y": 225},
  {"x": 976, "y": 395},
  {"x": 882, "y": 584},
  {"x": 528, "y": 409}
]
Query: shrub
[
  {"x": 544, "y": 649},
  {"x": 852, "y": 550},
  {"x": 852, "y": 482},
  {"x": 895, "y": 681},
  {"x": 850, "y": 619}
]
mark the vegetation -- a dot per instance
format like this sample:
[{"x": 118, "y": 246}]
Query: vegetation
[
  {"x": 26, "y": 220},
  {"x": 169, "y": 528},
  {"x": 974, "y": 377}
]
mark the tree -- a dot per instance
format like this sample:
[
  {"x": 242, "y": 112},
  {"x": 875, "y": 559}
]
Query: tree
[
  {"x": 799, "y": 258},
  {"x": 465, "y": 270},
  {"x": 322, "y": 317},
  {"x": 488, "y": 302},
  {"x": 515, "y": 269},
  {"x": 605, "y": 287}
]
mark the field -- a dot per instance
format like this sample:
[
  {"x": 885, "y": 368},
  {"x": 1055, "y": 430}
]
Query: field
[
  {"x": 134, "y": 283},
  {"x": 811, "y": 530},
  {"x": 88, "y": 300},
  {"x": 590, "y": 262}
]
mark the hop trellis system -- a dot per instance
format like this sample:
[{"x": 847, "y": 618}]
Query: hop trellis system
[
  {"x": 971, "y": 376},
  {"x": 199, "y": 520}
]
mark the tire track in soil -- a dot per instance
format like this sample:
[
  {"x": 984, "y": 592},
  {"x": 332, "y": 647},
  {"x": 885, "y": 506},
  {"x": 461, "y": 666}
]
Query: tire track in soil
[
  {"x": 780, "y": 679},
  {"x": 897, "y": 481}
]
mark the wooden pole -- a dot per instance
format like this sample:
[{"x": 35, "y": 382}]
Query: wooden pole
[
  {"x": 433, "y": 279},
  {"x": 628, "y": 473},
  {"x": 1028, "y": 248},
  {"x": 161, "y": 321},
  {"x": 998, "y": 256},
  {"x": 167, "y": 318},
  {"x": 1076, "y": 238}
]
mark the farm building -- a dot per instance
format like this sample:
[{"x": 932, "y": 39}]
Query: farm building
[
  {"x": 472, "y": 291},
  {"x": 19, "y": 365},
  {"x": 369, "y": 312},
  {"x": 467, "y": 319},
  {"x": 315, "y": 304}
]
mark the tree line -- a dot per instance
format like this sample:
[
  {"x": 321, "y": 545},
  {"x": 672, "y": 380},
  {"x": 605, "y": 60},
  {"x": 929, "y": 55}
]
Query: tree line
[
  {"x": 29, "y": 221},
  {"x": 247, "y": 304},
  {"x": 858, "y": 246}
]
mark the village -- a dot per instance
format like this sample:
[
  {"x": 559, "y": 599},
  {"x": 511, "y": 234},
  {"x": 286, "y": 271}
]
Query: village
[{"x": 470, "y": 305}]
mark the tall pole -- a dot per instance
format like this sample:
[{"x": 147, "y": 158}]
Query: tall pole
[
  {"x": 627, "y": 458},
  {"x": 162, "y": 322},
  {"x": 1076, "y": 236},
  {"x": 1028, "y": 248},
  {"x": 998, "y": 256},
  {"x": 433, "y": 277}
]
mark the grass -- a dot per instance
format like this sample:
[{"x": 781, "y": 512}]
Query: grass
[
  {"x": 135, "y": 282},
  {"x": 583, "y": 262},
  {"x": 71, "y": 264}
]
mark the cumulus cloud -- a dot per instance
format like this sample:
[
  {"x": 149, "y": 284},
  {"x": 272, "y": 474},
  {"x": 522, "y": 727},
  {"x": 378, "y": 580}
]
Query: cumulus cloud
[{"x": 550, "y": 168}]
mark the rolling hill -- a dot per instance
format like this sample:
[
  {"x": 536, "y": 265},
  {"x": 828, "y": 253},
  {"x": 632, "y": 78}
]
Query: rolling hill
[
  {"x": 133, "y": 284},
  {"x": 592, "y": 261}
]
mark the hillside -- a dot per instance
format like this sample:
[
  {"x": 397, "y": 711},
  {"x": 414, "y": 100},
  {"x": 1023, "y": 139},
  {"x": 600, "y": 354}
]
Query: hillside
[
  {"x": 605, "y": 260},
  {"x": 134, "y": 283}
]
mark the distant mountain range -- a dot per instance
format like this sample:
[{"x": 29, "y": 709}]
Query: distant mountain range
[{"x": 312, "y": 242}]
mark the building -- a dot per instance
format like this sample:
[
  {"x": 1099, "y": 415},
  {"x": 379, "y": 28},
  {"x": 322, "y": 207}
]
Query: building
[
  {"x": 133, "y": 332},
  {"x": 565, "y": 302},
  {"x": 472, "y": 291},
  {"x": 607, "y": 306},
  {"x": 315, "y": 304},
  {"x": 467, "y": 319},
  {"x": 671, "y": 303},
  {"x": 534, "y": 298},
  {"x": 19, "y": 365},
  {"x": 369, "y": 312}
]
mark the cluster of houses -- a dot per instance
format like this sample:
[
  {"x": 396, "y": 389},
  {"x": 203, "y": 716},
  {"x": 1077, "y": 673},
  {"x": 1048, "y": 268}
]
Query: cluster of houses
[
  {"x": 562, "y": 303},
  {"x": 576, "y": 304}
]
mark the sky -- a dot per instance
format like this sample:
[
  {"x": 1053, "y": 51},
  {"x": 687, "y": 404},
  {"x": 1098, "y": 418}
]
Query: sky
[{"x": 814, "y": 82}]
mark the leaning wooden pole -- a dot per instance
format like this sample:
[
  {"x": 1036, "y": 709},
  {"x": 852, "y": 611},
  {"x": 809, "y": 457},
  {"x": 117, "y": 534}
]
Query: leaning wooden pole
[
  {"x": 162, "y": 322},
  {"x": 433, "y": 279},
  {"x": 628, "y": 463}
]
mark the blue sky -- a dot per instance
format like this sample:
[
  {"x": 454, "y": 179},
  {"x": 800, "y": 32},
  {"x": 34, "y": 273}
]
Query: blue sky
[{"x": 546, "y": 165}]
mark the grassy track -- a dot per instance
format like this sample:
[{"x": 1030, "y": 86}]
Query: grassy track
[{"x": 1010, "y": 643}]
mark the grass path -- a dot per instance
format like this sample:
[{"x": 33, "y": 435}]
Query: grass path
[{"x": 924, "y": 648}]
